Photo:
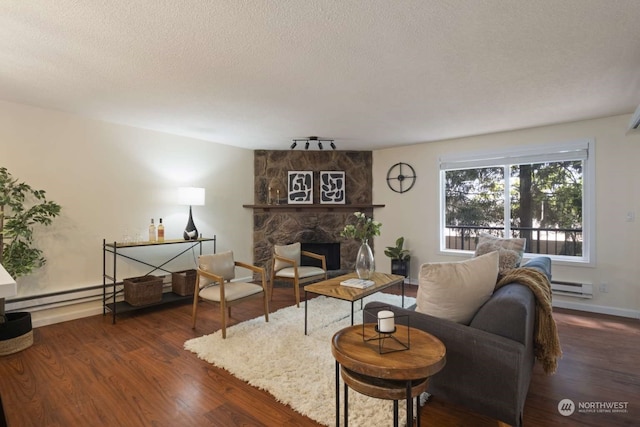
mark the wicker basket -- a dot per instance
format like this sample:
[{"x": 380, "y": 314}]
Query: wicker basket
[
  {"x": 143, "y": 290},
  {"x": 16, "y": 334},
  {"x": 183, "y": 282}
]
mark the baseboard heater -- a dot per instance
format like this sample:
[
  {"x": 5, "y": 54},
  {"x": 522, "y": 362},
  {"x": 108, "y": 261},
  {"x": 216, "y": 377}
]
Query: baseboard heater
[
  {"x": 67, "y": 297},
  {"x": 572, "y": 289}
]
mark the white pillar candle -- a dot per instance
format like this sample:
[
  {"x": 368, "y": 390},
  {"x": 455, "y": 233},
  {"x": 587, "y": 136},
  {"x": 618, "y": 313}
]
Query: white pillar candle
[{"x": 385, "y": 321}]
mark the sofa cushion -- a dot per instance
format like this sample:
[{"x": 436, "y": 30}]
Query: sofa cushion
[
  {"x": 456, "y": 290},
  {"x": 507, "y": 259},
  {"x": 510, "y": 250}
]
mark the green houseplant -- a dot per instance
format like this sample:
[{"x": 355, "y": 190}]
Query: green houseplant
[
  {"x": 400, "y": 257},
  {"x": 22, "y": 209}
]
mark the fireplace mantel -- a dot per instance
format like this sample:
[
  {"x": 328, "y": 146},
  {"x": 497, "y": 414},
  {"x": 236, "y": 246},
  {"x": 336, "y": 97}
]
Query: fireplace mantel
[{"x": 314, "y": 207}]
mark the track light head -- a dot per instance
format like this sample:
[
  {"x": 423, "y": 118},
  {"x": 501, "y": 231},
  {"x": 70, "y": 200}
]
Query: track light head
[
  {"x": 306, "y": 145},
  {"x": 320, "y": 145},
  {"x": 294, "y": 144},
  {"x": 333, "y": 146}
]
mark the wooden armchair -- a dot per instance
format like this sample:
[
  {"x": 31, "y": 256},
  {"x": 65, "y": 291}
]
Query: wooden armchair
[
  {"x": 286, "y": 266},
  {"x": 213, "y": 283}
]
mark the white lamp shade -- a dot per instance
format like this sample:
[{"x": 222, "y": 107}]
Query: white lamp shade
[{"x": 192, "y": 196}]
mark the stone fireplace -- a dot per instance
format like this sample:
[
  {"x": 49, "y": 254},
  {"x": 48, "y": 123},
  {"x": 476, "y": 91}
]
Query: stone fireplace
[{"x": 315, "y": 225}]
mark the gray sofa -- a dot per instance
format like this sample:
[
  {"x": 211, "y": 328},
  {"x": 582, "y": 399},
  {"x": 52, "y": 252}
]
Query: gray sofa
[{"x": 489, "y": 361}]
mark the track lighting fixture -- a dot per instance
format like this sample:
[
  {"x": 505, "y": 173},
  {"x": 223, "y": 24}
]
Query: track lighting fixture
[{"x": 314, "y": 139}]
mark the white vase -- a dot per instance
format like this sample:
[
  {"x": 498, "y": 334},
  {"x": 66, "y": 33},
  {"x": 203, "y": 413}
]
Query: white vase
[{"x": 365, "y": 264}]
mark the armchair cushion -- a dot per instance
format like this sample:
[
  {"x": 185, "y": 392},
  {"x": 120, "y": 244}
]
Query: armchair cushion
[
  {"x": 291, "y": 251},
  {"x": 456, "y": 290},
  {"x": 303, "y": 272},
  {"x": 232, "y": 291},
  {"x": 221, "y": 264}
]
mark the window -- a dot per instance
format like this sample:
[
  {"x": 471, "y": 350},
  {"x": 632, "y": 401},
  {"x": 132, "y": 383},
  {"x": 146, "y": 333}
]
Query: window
[{"x": 544, "y": 194}]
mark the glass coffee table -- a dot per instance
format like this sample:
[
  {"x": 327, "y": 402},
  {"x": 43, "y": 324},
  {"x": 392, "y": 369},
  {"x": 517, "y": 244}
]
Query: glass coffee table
[{"x": 333, "y": 289}]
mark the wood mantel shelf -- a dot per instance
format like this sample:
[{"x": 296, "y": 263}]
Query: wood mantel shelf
[{"x": 305, "y": 207}]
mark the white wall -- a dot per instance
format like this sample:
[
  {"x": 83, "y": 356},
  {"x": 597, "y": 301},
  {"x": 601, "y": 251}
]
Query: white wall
[
  {"x": 110, "y": 178},
  {"x": 415, "y": 214}
]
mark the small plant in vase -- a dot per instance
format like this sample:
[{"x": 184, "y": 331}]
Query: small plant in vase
[
  {"x": 400, "y": 258},
  {"x": 363, "y": 229}
]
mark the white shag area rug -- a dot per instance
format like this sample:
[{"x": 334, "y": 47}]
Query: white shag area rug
[{"x": 298, "y": 370}]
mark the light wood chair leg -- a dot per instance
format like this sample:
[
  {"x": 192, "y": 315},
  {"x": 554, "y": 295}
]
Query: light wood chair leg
[
  {"x": 296, "y": 287},
  {"x": 223, "y": 315},
  {"x": 273, "y": 279},
  {"x": 266, "y": 307},
  {"x": 501, "y": 424},
  {"x": 195, "y": 311}
]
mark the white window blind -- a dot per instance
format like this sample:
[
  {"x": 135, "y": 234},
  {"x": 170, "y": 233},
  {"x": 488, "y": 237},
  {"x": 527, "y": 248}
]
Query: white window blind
[{"x": 578, "y": 150}]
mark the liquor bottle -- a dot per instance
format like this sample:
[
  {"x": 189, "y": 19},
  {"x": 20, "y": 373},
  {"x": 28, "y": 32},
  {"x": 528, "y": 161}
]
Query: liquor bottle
[
  {"x": 152, "y": 232},
  {"x": 160, "y": 231}
]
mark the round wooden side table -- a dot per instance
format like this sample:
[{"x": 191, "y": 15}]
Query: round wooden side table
[{"x": 394, "y": 375}]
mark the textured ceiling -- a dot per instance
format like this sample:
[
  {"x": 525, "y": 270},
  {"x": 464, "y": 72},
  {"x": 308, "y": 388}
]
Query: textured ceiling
[{"x": 369, "y": 74}]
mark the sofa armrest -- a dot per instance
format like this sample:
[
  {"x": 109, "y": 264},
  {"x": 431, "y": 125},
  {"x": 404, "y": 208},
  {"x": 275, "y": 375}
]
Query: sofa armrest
[{"x": 510, "y": 313}]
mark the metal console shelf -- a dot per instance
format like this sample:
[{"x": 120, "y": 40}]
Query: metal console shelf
[{"x": 110, "y": 279}]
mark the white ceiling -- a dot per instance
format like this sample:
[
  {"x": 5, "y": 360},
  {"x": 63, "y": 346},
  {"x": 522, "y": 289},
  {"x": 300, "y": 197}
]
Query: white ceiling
[{"x": 369, "y": 74}]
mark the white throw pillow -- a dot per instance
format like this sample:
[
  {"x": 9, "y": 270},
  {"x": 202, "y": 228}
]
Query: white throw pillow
[{"x": 456, "y": 290}]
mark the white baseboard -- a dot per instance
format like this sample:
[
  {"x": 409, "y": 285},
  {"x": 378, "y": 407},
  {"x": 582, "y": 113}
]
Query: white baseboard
[
  {"x": 79, "y": 311},
  {"x": 600, "y": 309}
]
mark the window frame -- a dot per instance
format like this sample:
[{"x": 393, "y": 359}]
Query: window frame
[{"x": 583, "y": 149}]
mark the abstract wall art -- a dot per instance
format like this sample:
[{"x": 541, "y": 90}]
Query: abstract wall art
[
  {"x": 300, "y": 187},
  {"x": 332, "y": 187}
]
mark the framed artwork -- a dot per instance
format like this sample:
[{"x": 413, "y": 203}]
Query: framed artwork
[
  {"x": 300, "y": 187},
  {"x": 332, "y": 189}
]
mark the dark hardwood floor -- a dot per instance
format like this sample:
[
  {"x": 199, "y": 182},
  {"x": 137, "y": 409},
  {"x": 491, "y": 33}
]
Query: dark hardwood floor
[{"x": 88, "y": 372}]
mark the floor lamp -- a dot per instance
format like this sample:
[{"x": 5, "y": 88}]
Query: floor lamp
[{"x": 192, "y": 196}]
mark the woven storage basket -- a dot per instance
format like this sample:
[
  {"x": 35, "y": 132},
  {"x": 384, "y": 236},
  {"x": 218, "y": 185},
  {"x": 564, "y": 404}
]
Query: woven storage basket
[
  {"x": 183, "y": 282},
  {"x": 143, "y": 290},
  {"x": 16, "y": 334}
]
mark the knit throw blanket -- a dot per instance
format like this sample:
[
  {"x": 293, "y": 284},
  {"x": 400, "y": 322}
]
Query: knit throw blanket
[{"x": 546, "y": 342}]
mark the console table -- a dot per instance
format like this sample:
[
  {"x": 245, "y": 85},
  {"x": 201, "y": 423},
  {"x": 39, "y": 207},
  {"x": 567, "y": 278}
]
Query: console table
[{"x": 119, "y": 250}]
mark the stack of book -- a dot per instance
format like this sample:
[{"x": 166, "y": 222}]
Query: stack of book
[{"x": 357, "y": 283}]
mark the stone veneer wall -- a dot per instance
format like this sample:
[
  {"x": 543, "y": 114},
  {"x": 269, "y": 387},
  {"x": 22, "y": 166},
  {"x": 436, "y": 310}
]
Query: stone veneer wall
[{"x": 294, "y": 223}]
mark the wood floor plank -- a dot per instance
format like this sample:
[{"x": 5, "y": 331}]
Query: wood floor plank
[{"x": 136, "y": 373}]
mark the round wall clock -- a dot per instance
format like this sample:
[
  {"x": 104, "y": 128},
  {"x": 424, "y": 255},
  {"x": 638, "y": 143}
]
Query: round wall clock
[{"x": 401, "y": 177}]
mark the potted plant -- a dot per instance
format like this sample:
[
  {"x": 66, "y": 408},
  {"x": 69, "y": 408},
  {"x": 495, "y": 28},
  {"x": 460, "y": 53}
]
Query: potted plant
[
  {"x": 400, "y": 258},
  {"x": 21, "y": 209}
]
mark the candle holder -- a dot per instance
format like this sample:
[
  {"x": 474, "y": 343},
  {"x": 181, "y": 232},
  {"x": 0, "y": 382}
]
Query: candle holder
[{"x": 392, "y": 333}]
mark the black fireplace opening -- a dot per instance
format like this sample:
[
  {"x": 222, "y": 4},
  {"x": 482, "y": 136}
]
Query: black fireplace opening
[{"x": 331, "y": 252}]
